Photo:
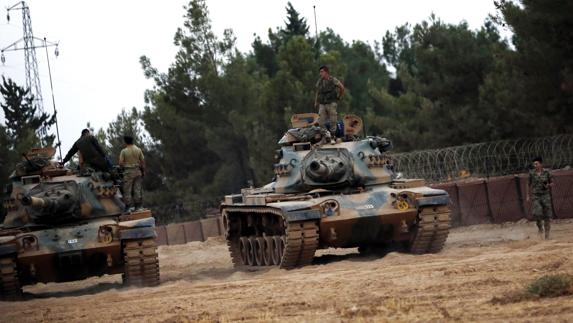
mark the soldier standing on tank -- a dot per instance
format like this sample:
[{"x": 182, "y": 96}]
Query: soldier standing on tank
[
  {"x": 326, "y": 98},
  {"x": 538, "y": 190},
  {"x": 91, "y": 153},
  {"x": 133, "y": 163}
]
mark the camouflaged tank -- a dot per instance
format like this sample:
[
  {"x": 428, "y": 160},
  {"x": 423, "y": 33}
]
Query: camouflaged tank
[
  {"x": 64, "y": 226},
  {"x": 332, "y": 192}
]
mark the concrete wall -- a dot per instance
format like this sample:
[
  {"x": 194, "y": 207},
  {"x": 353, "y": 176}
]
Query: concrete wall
[
  {"x": 502, "y": 199},
  {"x": 181, "y": 233}
]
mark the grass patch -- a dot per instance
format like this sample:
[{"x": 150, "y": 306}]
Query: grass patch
[{"x": 545, "y": 286}]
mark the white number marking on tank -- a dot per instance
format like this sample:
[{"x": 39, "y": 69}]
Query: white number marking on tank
[
  {"x": 72, "y": 241},
  {"x": 365, "y": 207}
]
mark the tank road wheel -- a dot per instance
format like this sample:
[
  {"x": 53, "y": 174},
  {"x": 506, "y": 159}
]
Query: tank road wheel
[
  {"x": 268, "y": 251},
  {"x": 275, "y": 250},
  {"x": 141, "y": 264},
  {"x": 10, "y": 289},
  {"x": 251, "y": 252},
  {"x": 259, "y": 243},
  {"x": 244, "y": 247}
]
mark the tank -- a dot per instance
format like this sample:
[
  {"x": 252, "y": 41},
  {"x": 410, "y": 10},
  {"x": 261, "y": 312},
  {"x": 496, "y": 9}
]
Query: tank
[
  {"x": 332, "y": 191},
  {"x": 64, "y": 225}
]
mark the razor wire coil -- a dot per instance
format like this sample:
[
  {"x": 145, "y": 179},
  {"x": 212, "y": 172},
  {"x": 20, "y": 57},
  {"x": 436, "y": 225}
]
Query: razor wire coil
[{"x": 486, "y": 159}]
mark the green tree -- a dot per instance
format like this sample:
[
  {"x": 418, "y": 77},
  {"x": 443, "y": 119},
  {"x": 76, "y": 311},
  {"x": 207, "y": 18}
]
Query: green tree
[
  {"x": 536, "y": 80},
  {"x": 434, "y": 98},
  {"x": 22, "y": 119},
  {"x": 24, "y": 128},
  {"x": 295, "y": 25},
  {"x": 188, "y": 113}
]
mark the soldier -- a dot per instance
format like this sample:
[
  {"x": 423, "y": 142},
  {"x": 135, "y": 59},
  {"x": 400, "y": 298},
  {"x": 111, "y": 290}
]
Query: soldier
[
  {"x": 133, "y": 163},
  {"x": 91, "y": 153},
  {"x": 539, "y": 185},
  {"x": 327, "y": 97}
]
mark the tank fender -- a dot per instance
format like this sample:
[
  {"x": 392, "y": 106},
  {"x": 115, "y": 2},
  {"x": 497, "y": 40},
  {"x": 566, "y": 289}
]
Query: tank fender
[
  {"x": 8, "y": 249},
  {"x": 5, "y": 239},
  {"x": 146, "y": 222},
  {"x": 138, "y": 233},
  {"x": 297, "y": 211},
  {"x": 433, "y": 200}
]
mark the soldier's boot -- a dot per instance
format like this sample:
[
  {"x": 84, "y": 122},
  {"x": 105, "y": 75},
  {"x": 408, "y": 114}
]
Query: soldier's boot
[
  {"x": 129, "y": 208},
  {"x": 547, "y": 225},
  {"x": 539, "y": 229}
]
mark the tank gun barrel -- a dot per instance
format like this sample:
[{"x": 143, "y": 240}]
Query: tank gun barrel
[
  {"x": 320, "y": 169},
  {"x": 58, "y": 203},
  {"x": 35, "y": 202}
]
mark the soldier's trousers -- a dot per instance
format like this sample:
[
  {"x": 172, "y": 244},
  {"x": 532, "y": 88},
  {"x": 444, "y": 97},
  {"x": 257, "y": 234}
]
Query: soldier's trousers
[
  {"x": 327, "y": 114},
  {"x": 132, "y": 187},
  {"x": 542, "y": 211}
]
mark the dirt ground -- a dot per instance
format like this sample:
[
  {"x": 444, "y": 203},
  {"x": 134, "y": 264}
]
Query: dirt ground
[{"x": 199, "y": 284}]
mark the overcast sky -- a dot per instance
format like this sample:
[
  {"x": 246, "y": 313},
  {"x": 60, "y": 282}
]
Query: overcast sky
[{"x": 97, "y": 73}]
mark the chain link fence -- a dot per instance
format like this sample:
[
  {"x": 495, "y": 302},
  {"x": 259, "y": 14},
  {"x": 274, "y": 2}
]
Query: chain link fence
[{"x": 488, "y": 159}]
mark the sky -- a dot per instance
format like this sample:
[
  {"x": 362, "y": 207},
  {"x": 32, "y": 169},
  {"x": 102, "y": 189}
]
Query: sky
[{"x": 97, "y": 72}]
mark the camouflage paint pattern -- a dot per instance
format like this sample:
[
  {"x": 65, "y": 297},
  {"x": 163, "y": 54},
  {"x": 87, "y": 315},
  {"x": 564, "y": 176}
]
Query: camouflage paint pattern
[
  {"x": 346, "y": 190},
  {"x": 64, "y": 227}
]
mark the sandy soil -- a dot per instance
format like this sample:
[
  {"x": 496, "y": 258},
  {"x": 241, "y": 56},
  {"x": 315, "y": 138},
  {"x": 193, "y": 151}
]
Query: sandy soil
[{"x": 199, "y": 284}]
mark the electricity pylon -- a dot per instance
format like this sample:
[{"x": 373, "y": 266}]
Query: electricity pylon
[{"x": 29, "y": 48}]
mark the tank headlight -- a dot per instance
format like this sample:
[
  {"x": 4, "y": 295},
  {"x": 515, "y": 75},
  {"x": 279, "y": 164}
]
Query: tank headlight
[
  {"x": 29, "y": 242},
  {"x": 105, "y": 234},
  {"x": 403, "y": 200},
  {"x": 330, "y": 208}
]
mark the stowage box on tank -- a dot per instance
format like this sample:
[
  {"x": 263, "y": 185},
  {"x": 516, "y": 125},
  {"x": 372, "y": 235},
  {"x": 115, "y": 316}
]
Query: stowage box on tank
[
  {"x": 332, "y": 192},
  {"x": 64, "y": 226}
]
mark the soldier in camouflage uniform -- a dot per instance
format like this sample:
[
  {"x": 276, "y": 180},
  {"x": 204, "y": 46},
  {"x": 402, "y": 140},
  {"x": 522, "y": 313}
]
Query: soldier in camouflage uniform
[
  {"x": 538, "y": 190},
  {"x": 327, "y": 97},
  {"x": 133, "y": 163}
]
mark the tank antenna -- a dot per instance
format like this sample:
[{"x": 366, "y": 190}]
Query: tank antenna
[
  {"x": 59, "y": 143},
  {"x": 315, "y": 25}
]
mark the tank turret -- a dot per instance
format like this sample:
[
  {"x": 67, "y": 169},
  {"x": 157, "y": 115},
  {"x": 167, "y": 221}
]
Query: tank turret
[
  {"x": 343, "y": 162},
  {"x": 332, "y": 190}
]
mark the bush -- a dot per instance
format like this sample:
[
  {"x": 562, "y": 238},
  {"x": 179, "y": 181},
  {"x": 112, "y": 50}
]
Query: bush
[
  {"x": 551, "y": 286},
  {"x": 546, "y": 286}
]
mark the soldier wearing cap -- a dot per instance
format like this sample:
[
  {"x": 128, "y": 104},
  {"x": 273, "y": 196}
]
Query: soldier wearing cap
[
  {"x": 538, "y": 191},
  {"x": 133, "y": 163},
  {"x": 326, "y": 98}
]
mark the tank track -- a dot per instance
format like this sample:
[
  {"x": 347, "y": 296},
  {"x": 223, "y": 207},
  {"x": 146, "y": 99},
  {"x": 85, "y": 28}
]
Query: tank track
[
  {"x": 432, "y": 230},
  {"x": 294, "y": 248},
  {"x": 141, "y": 263},
  {"x": 10, "y": 289}
]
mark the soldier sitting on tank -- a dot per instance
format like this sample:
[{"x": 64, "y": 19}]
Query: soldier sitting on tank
[{"x": 93, "y": 156}]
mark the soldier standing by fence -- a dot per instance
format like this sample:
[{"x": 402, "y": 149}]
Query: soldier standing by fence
[
  {"x": 131, "y": 159},
  {"x": 538, "y": 190}
]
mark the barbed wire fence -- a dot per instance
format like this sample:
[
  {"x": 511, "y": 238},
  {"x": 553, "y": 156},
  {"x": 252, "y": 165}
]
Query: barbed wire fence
[{"x": 487, "y": 159}]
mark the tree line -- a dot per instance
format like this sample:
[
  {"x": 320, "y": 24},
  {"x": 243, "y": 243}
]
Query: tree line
[{"x": 211, "y": 122}]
